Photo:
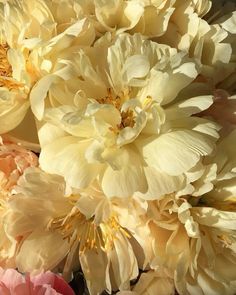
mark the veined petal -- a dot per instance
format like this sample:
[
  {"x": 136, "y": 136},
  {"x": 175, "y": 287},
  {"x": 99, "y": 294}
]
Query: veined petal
[
  {"x": 125, "y": 181},
  {"x": 160, "y": 183},
  {"x": 175, "y": 152},
  {"x": 67, "y": 158},
  {"x": 38, "y": 251}
]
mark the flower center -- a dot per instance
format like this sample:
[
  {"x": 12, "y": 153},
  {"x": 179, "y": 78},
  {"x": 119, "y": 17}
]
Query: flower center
[
  {"x": 225, "y": 240},
  {"x": 112, "y": 99},
  {"x": 75, "y": 227},
  {"x": 6, "y": 70},
  {"x": 5, "y": 67},
  {"x": 127, "y": 117}
]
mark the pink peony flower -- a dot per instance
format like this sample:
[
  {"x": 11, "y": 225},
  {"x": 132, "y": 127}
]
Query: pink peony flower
[
  {"x": 14, "y": 159},
  {"x": 48, "y": 283}
]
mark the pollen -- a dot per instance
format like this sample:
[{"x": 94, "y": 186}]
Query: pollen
[
  {"x": 5, "y": 67},
  {"x": 112, "y": 99},
  {"x": 225, "y": 240},
  {"x": 127, "y": 117},
  {"x": 6, "y": 70},
  {"x": 91, "y": 236}
]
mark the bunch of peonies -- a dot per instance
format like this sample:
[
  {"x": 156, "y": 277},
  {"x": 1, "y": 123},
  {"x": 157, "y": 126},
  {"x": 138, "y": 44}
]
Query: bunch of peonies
[{"x": 118, "y": 146}]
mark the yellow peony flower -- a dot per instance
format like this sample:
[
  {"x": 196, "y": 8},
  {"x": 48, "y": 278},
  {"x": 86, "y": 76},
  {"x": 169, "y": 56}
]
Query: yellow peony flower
[
  {"x": 196, "y": 244},
  {"x": 23, "y": 23},
  {"x": 126, "y": 129},
  {"x": 211, "y": 40},
  {"x": 193, "y": 236},
  {"x": 29, "y": 50},
  {"x": 44, "y": 214},
  {"x": 147, "y": 17}
]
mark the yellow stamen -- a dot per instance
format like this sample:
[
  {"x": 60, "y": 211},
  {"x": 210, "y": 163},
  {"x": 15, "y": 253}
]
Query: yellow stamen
[
  {"x": 5, "y": 67},
  {"x": 225, "y": 240},
  {"x": 6, "y": 70},
  {"x": 127, "y": 117},
  {"x": 89, "y": 234}
]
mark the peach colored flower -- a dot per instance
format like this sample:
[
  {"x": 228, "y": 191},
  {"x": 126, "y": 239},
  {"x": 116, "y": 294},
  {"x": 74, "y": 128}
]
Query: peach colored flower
[
  {"x": 48, "y": 283},
  {"x": 14, "y": 159}
]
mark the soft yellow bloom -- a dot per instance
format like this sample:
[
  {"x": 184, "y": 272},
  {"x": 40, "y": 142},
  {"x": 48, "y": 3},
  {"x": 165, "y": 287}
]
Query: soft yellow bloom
[
  {"x": 29, "y": 50},
  {"x": 193, "y": 232},
  {"x": 23, "y": 23},
  {"x": 126, "y": 128},
  {"x": 211, "y": 40},
  {"x": 147, "y": 17},
  {"x": 196, "y": 243},
  {"x": 53, "y": 61},
  {"x": 44, "y": 214}
]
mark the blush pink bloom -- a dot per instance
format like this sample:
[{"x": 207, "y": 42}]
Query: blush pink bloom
[
  {"x": 14, "y": 159},
  {"x": 48, "y": 283}
]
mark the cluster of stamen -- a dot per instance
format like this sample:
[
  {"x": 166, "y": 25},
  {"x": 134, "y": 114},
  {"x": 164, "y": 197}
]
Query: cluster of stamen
[
  {"x": 226, "y": 241},
  {"x": 127, "y": 117},
  {"x": 5, "y": 67},
  {"x": 6, "y": 70},
  {"x": 91, "y": 236},
  {"x": 112, "y": 99},
  {"x": 66, "y": 224}
]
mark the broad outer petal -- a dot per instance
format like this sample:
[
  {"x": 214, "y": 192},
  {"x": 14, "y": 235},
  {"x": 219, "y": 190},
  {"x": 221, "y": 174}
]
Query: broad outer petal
[
  {"x": 38, "y": 251},
  {"x": 66, "y": 156},
  {"x": 127, "y": 180},
  {"x": 175, "y": 152}
]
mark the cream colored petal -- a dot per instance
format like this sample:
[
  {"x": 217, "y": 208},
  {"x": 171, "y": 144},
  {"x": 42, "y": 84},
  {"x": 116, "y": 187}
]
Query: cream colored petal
[
  {"x": 127, "y": 180},
  {"x": 12, "y": 111},
  {"x": 39, "y": 93},
  {"x": 37, "y": 252},
  {"x": 123, "y": 262},
  {"x": 94, "y": 265},
  {"x": 189, "y": 107},
  {"x": 66, "y": 156},
  {"x": 160, "y": 184},
  {"x": 175, "y": 152},
  {"x": 156, "y": 21},
  {"x": 230, "y": 24},
  {"x": 151, "y": 281},
  {"x": 215, "y": 218},
  {"x": 108, "y": 13},
  {"x": 181, "y": 77},
  {"x": 131, "y": 14},
  {"x": 27, "y": 139},
  {"x": 48, "y": 132},
  {"x": 136, "y": 66}
]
